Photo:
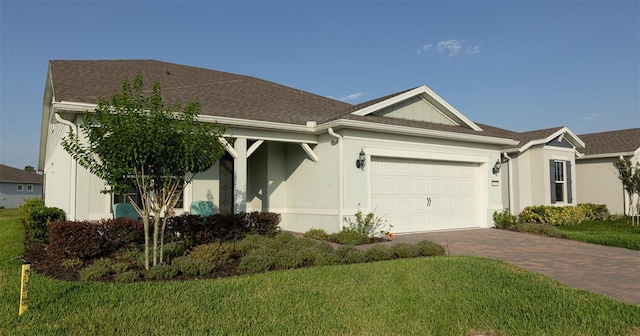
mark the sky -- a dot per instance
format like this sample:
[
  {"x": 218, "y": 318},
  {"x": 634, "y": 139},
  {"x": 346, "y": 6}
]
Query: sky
[{"x": 518, "y": 65}]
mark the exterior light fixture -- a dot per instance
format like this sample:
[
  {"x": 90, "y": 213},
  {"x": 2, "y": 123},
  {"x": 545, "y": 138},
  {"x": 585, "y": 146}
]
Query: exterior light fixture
[
  {"x": 497, "y": 166},
  {"x": 362, "y": 159}
]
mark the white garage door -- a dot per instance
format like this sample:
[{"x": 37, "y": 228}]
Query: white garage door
[{"x": 421, "y": 195}]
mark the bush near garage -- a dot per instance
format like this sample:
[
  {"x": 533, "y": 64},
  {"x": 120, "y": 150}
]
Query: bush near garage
[{"x": 553, "y": 215}]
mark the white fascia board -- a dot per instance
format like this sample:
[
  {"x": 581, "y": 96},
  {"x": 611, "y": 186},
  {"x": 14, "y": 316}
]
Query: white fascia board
[
  {"x": 415, "y": 92},
  {"x": 246, "y": 123},
  {"x": 404, "y": 130},
  {"x": 606, "y": 155}
]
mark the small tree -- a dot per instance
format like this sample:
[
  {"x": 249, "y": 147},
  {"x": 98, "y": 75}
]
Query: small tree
[
  {"x": 135, "y": 140},
  {"x": 629, "y": 175},
  {"x": 30, "y": 169}
]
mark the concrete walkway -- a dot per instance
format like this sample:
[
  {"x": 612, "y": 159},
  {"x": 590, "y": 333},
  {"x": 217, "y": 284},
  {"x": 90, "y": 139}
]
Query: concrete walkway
[{"x": 611, "y": 271}]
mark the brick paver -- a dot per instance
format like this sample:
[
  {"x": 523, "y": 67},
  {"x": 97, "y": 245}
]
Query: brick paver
[{"x": 611, "y": 271}]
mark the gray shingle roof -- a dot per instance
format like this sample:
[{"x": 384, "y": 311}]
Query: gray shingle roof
[
  {"x": 612, "y": 142},
  {"x": 220, "y": 94},
  {"x": 15, "y": 175}
]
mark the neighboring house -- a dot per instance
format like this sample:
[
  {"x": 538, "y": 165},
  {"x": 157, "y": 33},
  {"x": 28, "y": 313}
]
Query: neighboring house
[
  {"x": 16, "y": 185},
  {"x": 598, "y": 177},
  {"x": 410, "y": 157}
]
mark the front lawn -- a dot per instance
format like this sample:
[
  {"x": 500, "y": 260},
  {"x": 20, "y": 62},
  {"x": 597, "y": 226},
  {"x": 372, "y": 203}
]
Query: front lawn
[
  {"x": 426, "y": 296},
  {"x": 618, "y": 233}
]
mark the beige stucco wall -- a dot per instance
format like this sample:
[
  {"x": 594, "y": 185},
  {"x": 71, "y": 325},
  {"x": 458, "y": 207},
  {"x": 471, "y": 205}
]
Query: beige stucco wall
[
  {"x": 531, "y": 177},
  {"x": 598, "y": 183}
]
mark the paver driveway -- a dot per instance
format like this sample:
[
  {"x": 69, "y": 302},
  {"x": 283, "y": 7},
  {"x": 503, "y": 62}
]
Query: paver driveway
[{"x": 611, "y": 271}]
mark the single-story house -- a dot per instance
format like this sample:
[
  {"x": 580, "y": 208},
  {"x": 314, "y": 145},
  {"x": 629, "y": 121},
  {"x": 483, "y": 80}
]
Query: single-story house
[
  {"x": 410, "y": 157},
  {"x": 599, "y": 182},
  {"x": 16, "y": 185}
]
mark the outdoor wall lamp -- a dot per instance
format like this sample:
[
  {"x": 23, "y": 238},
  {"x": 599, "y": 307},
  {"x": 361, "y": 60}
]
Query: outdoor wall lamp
[
  {"x": 497, "y": 166},
  {"x": 362, "y": 159}
]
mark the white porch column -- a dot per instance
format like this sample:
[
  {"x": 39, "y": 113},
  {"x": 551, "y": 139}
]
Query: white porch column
[{"x": 240, "y": 176}]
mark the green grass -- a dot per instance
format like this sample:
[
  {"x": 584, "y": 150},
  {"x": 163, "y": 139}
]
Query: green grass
[
  {"x": 619, "y": 233},
  {"x": 422, "y": 296}
]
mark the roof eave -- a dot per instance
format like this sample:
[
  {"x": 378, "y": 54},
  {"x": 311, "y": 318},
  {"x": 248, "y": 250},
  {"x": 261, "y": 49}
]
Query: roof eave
[
  {"x": 609, "y": 155},
  {"x": 413, "y": 131}
]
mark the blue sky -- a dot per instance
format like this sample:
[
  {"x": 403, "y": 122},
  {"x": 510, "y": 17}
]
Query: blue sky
[{"x": 516, "y": 65}]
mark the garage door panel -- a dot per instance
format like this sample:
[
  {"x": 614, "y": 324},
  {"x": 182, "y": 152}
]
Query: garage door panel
[{"x": 421, "y": 195}]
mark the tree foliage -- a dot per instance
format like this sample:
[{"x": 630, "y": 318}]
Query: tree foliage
[
  {"x": 135, "y": 140},
  {"x": 629, "y": 175}
]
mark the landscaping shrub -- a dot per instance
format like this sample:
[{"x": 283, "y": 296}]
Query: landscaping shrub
[
  {"x": 196, "y": 230},
  {"x": 161, "y": 272},
  {"x": 349, "y": 237},
  {"x": 378, "y": 252},
  {"x": 405, "y": 250},
  {"x": 72, "y": 262},
  {"x": 39, "y": 219},
  {"x": 172, "y": 250},
  {"x": 250, "y": 243},
  {"x": 74, "y": 239},
  {"x": 130, "y": 255},
  {"x": 553, "y": 215},
  {"x": 255, "y": 263},
  {"x": 317, "y": 234},
  {"x": 88, "y": 240},
  {"x": 504, "y": 219},
  {"x": 287, "y": 259},
  {"x": 119, "y": 232},
  {"x": 119, "y": 267},
  {"x": 27, "y": 207},
  {"x": 428, "y": 248},
  {"x": 594, "y": 212},
  {"x": 127, "y": 277},
  {"x": 100, "y": 268},
  {"x": 219, "y": 254},
  {"x": 369, "y": 225},
  {"x": 350, "y": 255},
  {"x": 263, "y": 223},
  {"x": 192, "y": 267},
  {"x": 537, "y": 228}
]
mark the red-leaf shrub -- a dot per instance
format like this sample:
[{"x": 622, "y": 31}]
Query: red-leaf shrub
[
  {"x": 196, "y": 230},
  {"x": 74, "y": 239},
  {"x": 90, "y": 240}
]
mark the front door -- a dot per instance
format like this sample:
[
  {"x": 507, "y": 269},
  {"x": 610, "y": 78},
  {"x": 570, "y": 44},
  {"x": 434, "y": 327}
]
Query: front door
[{"x": 226, "y": 184}]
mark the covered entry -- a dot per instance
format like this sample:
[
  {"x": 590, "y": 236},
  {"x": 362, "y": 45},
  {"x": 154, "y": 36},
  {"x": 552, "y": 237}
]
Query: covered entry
[{"x": 424, "y": 195}]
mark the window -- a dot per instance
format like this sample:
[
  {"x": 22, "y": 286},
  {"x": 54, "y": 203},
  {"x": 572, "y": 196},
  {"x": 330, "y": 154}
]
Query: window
[
  {"x": 29, "y": 187},
  {"x": 137, "y": 199},
  {"x": 560, "y": 178},
  {"x": 20, "y": 187}
]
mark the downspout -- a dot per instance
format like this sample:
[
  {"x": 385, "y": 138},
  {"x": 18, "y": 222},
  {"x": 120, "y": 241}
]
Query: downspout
[
  {"x": 74, "y": 168},
  {"x": 341, "y": 175},
  {"x": 509, "y": 181}
]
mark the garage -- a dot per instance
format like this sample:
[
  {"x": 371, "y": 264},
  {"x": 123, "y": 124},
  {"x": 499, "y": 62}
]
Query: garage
[{"x": 424, "y": 195}]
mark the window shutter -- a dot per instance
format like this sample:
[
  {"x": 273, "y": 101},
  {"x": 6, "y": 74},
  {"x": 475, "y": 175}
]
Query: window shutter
[
  {"x": 569, "y": 183},
  {"x": 552, "y": 180}
]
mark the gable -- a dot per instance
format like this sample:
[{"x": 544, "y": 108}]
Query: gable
[
  {"x": 420, "y": 104},
  {"x": 559, "y": 142},
  {"x": 416, "y": 108}
]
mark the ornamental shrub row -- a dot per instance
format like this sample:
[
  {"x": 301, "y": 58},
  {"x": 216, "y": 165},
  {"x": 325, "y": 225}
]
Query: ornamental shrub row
[
  {"x": 553, "y": 215},
  {"x": 90, "y": 240},
  {"x": 196, "y": 230}
]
